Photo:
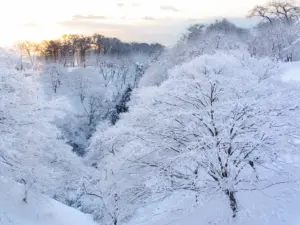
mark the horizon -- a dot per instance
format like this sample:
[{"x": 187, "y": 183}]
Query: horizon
[{"x": 131, "y": 20}]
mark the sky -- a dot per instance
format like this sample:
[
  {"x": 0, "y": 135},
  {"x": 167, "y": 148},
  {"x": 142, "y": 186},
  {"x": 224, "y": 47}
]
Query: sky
[{"x": 160, "y": 21}]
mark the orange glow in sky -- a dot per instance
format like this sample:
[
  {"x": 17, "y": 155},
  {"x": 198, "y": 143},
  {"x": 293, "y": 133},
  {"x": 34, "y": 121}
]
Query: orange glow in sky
[{"x": 140, "y": 20}]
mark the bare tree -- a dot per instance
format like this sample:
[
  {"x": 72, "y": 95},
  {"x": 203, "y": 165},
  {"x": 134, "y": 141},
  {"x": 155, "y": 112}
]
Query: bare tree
[
  {"x": 83, "y": 44},
  {"x": 27, "y": 49},
  {"x": 52, "y": 50},
  {"x": 286, "y": 11},
  {"x": 262, "y": 12},
  {"x": 115, "y": 73},
  {"x": 97, "y": 41},
  {"x": 66, "y": 49},
  {"x": 54, "y": 72},
  {"x": 91, "y": 108},
  {"x": 82, "y": 88},
  {"x": 283, "y": 10}
]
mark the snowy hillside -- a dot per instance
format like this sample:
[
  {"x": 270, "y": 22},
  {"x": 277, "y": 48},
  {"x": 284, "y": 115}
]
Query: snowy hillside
[
  {"x": 38, "y": 210},
  {"x": 291, "y": 71}
]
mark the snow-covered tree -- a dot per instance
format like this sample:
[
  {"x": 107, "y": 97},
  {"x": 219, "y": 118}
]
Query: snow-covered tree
[
  {"x": 277, "y": 35},
  {"x": 97, "y": 94},
  {"x": 53, "y": 75},
  {"x": 219, "y": 125},
  {"x": 32, "y": 150},
  {"x": 277, "y": 40},
  {"x": 198, "y": 40}
]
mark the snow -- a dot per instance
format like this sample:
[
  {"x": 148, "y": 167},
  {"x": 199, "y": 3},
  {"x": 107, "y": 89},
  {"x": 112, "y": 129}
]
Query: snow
[
  {"x": 291, "y": 71},
  {"x": 39, "y": 209},
  {"x": 260, "y": 209},
  {"x": 71, "y": 69},
  {"x": 127, "y": 188}
]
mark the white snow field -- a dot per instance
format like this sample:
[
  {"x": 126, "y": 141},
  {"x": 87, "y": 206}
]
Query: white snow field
[{"x": 39, "y": 210}]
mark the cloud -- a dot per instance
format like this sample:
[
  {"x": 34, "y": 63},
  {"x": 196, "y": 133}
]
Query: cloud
[
  {"x": 88, "y": 25},
  {"x": 88, "y": 17},
  {"x": 148, "y": 18},
  {"x": 30, "y": 25},
  {"x": 166, "y": 31},
  {"x": 238, "y": 21},
  {"x": 161, "y": 31},
  {"x": 136, "y": 4},
  {"x": 169, "y": 8},
  {"x": 120, "y": 4}
]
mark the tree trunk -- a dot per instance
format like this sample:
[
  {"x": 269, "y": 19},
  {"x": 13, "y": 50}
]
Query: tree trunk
[
  {"x": 232, "y": 202},
  {"x": 82, "y": 57}
]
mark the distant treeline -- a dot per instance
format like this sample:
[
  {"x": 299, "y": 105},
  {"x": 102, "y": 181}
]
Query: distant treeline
[{"x": 73, "y": 49}]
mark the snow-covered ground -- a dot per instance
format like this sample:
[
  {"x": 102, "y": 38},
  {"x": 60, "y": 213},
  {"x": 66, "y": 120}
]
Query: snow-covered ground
[
  {"x": 291, "y": 71},
  {"x": 261, "y": 209},
  {"x": 39, "y": 210}
]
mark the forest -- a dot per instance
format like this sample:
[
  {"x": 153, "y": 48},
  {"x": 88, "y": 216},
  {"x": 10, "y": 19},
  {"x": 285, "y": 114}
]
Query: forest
[{"x": 205, "y": 132}]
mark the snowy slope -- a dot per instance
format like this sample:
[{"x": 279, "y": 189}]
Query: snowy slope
[
  {"x": 39, "y": 210},
  {"x": 291, "y": 71},
  {"x": 279, "y": 206}
]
